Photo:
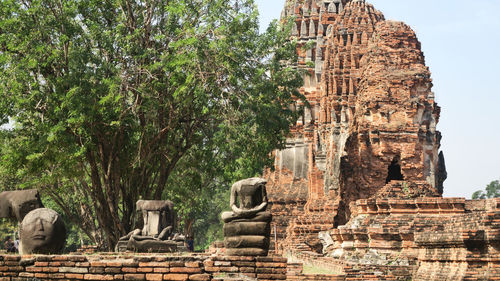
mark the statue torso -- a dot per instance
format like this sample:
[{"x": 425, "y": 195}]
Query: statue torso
[{"x": 250, "y": 196}]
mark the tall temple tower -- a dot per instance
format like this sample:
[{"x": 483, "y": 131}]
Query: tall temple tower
[{"x": 370, "y": 126}]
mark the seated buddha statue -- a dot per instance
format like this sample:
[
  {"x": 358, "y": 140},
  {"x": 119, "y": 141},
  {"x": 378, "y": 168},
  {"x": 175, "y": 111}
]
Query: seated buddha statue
[
  {"x": 247, "y": 226},
  {"x": 156, "y": 235}
]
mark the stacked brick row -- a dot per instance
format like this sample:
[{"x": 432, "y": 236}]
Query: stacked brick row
[
  {"x": 379, "y": 273},
  {"x": 382, "y": 230},
  {"x": 194, "y": 268},
  {"x": 441, "y": 238},
  {"x": 465, "y": 247},
  {"x": 87, "y": 249},
  {"x": 317, "y": 277},
  {"x": 329, "y": 264}
]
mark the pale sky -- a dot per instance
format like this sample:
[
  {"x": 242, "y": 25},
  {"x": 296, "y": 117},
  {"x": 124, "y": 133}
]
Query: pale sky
[{"x": 461, "y": 43}]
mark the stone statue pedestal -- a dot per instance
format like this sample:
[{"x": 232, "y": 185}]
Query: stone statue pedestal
[{"x": 247, "y": 237}]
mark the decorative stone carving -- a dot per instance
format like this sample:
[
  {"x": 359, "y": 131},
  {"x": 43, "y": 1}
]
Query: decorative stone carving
[
  {"x": 247, "y": 227},
  {"x": 42, "y": 231},
  {"x": 157, "y": 234}
]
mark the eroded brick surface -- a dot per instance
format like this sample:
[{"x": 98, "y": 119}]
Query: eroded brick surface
[
  {"x": 371, "y": 108},
  {"x": 362, "y": 168}
]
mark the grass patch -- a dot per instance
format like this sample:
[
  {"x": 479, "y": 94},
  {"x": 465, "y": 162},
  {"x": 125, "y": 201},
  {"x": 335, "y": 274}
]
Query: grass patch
[{"x": 311, "y": 269}]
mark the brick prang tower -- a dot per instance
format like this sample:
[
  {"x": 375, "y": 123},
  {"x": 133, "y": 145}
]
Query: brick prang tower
[{"x": 371, "y": 124}]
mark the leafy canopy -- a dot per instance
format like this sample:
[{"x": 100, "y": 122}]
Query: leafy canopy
[
  {"x": 117, "y": 100},
  {"x": 492, "y": 190}
]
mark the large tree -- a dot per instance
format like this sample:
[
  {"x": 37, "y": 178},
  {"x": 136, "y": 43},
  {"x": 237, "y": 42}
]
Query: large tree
[
  {"x": 112, "y": 99},
  {"x": 492, "y": 190}
]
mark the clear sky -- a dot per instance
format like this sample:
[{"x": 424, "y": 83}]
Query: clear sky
[{"x": 461, "y": 43}]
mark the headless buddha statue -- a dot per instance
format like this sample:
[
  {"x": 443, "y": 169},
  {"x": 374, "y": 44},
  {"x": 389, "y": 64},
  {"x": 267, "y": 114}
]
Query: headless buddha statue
[
  {"x": 156, "y": 235},
  {"x": 251, "y": 196},
  {"x": 247, "y": 226}
]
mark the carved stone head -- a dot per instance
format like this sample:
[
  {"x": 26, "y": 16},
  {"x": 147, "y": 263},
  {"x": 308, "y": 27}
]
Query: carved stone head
[{"x": 42, "y": 231}]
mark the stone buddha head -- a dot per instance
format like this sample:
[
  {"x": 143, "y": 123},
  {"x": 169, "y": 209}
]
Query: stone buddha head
[{"x": 42, "y": 231}]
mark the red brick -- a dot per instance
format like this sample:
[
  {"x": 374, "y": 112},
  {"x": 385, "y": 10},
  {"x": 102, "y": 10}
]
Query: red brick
[
  {"x": 133, "y": 277},
  {"x": 73, "y": 276},
  {"x": 153, "y": 276},
  {"x": 193, "y": 264},
  {"x": 199, "y": 277},
  {"x": 160, "y": 270},
  {"x": 98, "y": 277},
  {"x": 185, "y": 270},
  {"x": 154, "y": 264},
  {"x": 144, "y": 269},
  {"x": 129, "y": 269},
  {"x": 175, "y": 277}
]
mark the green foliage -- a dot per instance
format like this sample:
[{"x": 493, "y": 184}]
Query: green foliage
[
  {"x": 492, "y": 190},
  {"x": 118, "y": 100},
  {"x": 74, "y": 236},
  {"x": 7, "y": 228}
]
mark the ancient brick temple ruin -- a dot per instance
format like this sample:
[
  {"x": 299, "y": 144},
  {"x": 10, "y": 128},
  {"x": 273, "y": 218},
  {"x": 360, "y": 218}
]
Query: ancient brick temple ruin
[
  {"x": 356, "y": 195},
  {"x": 372, "y": 117},
  {"x": 359, "y": 185}
]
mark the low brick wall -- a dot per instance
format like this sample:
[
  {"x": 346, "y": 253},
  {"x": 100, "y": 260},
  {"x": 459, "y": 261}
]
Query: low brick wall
[{"x": 147, "y": 267}]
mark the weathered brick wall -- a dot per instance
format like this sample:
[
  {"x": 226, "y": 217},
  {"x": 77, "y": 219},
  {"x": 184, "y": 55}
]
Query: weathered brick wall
[
  {"x": 299, "y": 169},
  {"x": 287, "y": 198},
  {"x": 440, "y": 238},
  {"x": 382, "y": 230},
  {"x": 127, "y": 267},
  {"x": 378, "y": 272},
  {"x": 371, "y": 106},
  {"x": 388, "y": 239},
  {"x": 463, "y": 247},
  {"x": 180, "y": 268},
  {"x": 353, "y": 272}
]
